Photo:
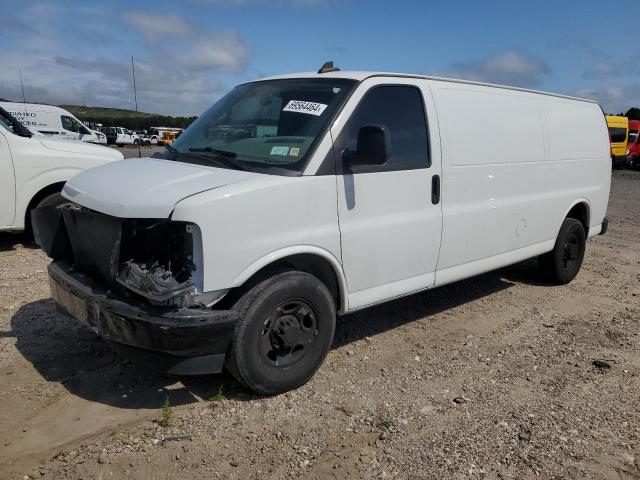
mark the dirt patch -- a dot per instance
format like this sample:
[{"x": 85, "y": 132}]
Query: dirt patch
[{"x": 498, "y": 376}]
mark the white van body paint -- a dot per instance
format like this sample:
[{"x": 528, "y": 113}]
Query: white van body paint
[
  {"x": 53, "y": 121},
  {"x": 147, "y": 187},
  {"x": 30, "y": 165},
  {"x": 512, "y": 163}
]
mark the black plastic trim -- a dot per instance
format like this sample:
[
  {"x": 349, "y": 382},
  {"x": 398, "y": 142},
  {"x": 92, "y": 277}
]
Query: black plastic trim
[{"x": 186, "y": 332}]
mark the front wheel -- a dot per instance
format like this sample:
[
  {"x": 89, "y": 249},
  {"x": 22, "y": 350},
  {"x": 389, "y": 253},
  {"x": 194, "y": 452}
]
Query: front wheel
[
  {"x": 562, "y": 264},
  {"x": 285, "y": 332}
]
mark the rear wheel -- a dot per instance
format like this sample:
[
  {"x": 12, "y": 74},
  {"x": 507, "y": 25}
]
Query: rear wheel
[
  {"x": 562, "y": 264},
  {"x": 136, "y": 142},
  {"x": 285, "y": 332}
]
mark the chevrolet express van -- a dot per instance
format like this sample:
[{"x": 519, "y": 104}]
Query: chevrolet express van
[
  {"x": 301, "y": 196},
  {"x": 618, "y": 134},
  {"x": 33, "y": 169},
  {"x": 53, "y": 121}
]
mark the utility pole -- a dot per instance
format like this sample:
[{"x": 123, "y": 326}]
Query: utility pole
[
  {"x": 22, "y": 86},
  {"x": 135, "y": 98}
]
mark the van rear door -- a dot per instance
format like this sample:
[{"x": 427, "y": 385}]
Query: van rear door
[{"x": 389, "y": 215}]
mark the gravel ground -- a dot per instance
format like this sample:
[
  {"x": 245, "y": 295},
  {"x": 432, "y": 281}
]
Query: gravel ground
[{"x": 497, "y": 377}]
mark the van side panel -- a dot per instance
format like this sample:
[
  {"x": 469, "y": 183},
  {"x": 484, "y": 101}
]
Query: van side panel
[
  {"x": 513, "y": 164},
  {"x": 7, "y": 183}
]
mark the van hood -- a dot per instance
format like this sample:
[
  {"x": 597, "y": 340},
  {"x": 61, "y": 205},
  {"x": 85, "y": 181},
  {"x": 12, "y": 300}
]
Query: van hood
[
  {"x": 146, "y": 187},
  {"x": 76, "y": 146}
]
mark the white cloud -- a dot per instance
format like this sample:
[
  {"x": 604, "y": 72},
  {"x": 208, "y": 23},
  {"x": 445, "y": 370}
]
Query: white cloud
[
  {"x": 176, "y": 68},
  {"x": 108, "y": 83},
  {"x": 200, "y": 48},
  {"x": 511, "y": 67},
  {"x": 220, "y": 51},
  {"x": 613, "y": 98},
  {"x": 158, "y": 25},
  {"x": 606, "y": 71},
  {"x": 243, "y": 3}
]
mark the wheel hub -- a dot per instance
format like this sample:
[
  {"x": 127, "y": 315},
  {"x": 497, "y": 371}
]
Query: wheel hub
[
  {"x": 289, "y": 333},
  {"x": 286, "y": 331}
]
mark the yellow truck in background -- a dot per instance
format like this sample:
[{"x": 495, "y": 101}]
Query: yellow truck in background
[
  {"x": 618, "y": 134},
  {"x": 168, "y": 137}
]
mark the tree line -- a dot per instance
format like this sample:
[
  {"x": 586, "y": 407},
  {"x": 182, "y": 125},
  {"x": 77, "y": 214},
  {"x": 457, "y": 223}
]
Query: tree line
[{"x": 139, "y": 123}]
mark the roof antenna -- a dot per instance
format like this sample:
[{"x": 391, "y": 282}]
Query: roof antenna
[{"x": 328, "y": 67}]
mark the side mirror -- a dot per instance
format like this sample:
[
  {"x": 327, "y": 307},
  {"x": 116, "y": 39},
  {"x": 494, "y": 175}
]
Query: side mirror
[{"x": 371, "y": 148}]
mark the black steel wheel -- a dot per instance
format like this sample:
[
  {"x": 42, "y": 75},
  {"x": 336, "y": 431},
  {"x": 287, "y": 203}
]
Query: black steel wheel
[
  {"x": 285, "y": 332},
  {"x": 289, "y": 333},
  {"x": 562, "y": 264}
]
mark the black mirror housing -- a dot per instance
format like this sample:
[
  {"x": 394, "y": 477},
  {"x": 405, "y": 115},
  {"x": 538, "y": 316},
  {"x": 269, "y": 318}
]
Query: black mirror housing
[{"x": 371, "y": 148}]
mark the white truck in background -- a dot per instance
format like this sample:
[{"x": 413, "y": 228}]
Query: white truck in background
[
  {"x": 53, "y": 121},
  {"x": 121, "y": 136},
  {"x": 34, "y": 168}
]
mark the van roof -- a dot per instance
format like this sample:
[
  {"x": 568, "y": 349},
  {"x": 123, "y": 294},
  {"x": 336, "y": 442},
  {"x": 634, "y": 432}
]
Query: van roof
[
  {"x": 42, "y": 106},
  {"x": 357, "y": 75}
]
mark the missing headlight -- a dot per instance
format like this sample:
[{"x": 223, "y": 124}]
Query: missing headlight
[{"x": 156, "y": 261}]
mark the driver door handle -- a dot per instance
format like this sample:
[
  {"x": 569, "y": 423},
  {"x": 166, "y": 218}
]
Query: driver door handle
[{"x": 435, "y": 189}]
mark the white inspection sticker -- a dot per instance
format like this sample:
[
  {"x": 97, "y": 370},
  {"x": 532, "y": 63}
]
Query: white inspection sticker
[
  {"x": 301, "y": 106},
  {"x": 282, "y": 151}
]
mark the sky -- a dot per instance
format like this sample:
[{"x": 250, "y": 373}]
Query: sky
[{"x": 188, "y": 53}]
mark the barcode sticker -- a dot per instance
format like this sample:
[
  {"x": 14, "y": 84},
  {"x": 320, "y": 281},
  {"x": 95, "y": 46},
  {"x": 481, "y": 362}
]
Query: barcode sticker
[{"x": 300, "y": 106}]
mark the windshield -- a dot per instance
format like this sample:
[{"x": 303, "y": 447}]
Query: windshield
[
  {"x": 265, "y": 125},
  {"x": 617, "y": 134},
  {"x": 12, "y": 125}
]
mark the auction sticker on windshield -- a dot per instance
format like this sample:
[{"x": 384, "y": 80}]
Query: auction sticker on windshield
[
  {"x": 282, "y": 151},
  {"x": 300, "y": 106}
]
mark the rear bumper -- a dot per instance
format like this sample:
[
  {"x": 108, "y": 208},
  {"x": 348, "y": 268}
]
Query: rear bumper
[
  {"x": 181, "y": 341},
  {"x": 605, "y": 226}
]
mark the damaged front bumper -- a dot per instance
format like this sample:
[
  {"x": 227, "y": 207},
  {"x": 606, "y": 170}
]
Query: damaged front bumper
[{"x": 184, "y": 341}]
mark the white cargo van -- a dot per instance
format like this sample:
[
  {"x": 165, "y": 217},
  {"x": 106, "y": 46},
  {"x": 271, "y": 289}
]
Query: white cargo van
[
  {"x": 33, "y": 169},
  {"x": 300, "y": 196},
  {"x": 52, "y": 121}
]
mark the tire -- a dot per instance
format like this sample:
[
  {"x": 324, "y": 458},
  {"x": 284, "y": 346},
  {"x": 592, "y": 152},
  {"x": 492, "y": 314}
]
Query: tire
[
  {"x": 55, "y": 200},
  {"x": 286, "y": 328},
  {"x": 561, "y": 265},
  {"x": 136, "y": 143}
]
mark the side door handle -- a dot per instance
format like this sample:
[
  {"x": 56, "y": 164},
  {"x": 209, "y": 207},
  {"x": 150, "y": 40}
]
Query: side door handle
[{"x": 435, "y": 189}]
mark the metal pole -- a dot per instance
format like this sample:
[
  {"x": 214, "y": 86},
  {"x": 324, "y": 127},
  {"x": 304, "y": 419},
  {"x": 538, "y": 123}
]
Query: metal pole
[
  {"x": 135, "y": 98},
  {"x": 22, "y": 86}
]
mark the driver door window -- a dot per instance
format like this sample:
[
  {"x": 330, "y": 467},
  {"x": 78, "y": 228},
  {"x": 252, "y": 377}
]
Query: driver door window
[
  {"x": 68, "y": 124},
  {"x": 399, "y": 111}
]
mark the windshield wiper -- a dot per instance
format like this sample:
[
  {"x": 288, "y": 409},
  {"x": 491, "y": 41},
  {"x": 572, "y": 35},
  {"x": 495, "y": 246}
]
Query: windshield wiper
[
  {"x": 221, "y": 156},
  {"x": 224, "y": 153}
]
